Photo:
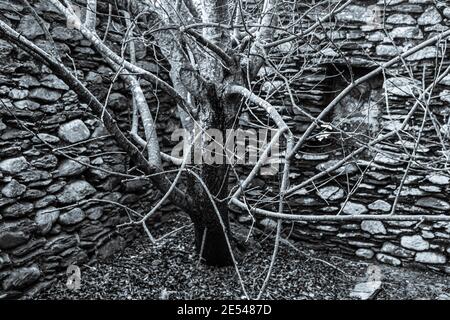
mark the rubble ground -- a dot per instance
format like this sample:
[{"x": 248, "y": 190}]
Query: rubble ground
[{"x": 171, "y": 270}]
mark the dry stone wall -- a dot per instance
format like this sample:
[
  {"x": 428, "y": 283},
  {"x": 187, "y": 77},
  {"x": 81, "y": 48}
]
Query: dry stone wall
[
  {"x": 49, "y": 217},
  {"x": 368, "y": 33},
  {"x": 54, "y": 211}
]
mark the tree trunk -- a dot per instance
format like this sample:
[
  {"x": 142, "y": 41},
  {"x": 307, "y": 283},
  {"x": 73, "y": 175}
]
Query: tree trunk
[{"x": 210, "y": 240}]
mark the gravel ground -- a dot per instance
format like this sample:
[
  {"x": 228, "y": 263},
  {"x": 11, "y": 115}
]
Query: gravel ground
[{"x": 170, "y": 270}]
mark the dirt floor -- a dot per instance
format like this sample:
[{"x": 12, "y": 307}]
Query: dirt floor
[{"x": 170, "y": 270}]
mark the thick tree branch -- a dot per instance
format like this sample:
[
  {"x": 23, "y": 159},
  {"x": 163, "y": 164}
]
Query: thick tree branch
[
  {"x": 104, "y": 50},
  {"x": 265, "y": 33},
  {"x": 210, "y": 46},
  {"x": 155, "y": 173},
  {"x": 91, "y": 12},
  {"x": 361, "y": 80},
  {"x": 375, "y": 141},
  {"x": 316, "y": 218},
  {"x": 271, "y": 111}
]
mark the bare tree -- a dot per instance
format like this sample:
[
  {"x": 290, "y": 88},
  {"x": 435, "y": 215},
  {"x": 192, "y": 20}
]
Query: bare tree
[{"x": 215, "y": 50}]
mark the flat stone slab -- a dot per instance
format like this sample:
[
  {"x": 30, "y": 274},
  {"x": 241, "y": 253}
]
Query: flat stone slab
[{"x": 366, "y": 290}]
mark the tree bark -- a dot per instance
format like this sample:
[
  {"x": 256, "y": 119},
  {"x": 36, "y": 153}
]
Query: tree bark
[
  {"x": 210, "y": 240},
  {"x": 211, "y": 232}
]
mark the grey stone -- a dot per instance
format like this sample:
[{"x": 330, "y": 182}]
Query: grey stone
[
  {"x": 443, "y": 235},
  {"x": 55, "y": 187},
  {"x": 408, "y": 191},
  {"x": 53, "y": 82},
  {"x": 430, "y": 258},
  {"x": 70, "y": 167},
  {"x": 60, "y": 243},
  {"x": 433, "y": 203},
  {"x": 100, "y": 131},
  {"x": 331, "y": 193},
  {"x": 29, "y": 27},
  {"x": 365, "y": 253},
  {"x": 47, "y": 161},
  {"x": 430, "y": 17},
  {"x": 326, "y": 228},
  {"x": 400, "y": 86},
  {"x": 63, "y": 34},
  {"x": 11, "y": 239},
  {"x": 117, "y": 101},
  {"x": 12, "y": 235},
  {"x": 439, "y": 179},
  {"x": 13, "y": 189},
  {"x": 22, "y": 278},
  {"x": 380, "y": 205},
  {"x": 46, "y": 218},
  {"x": 355, "y": 13},
  {"x": 5, "y": 261},
  {"x": 5, "y": 201},
  {"x": 443, "y": 296},
  {"x": 72, "y": 217},
  {"x": 391, "y": 160},
  {"x": 425, "y": 53},
  {"x": 271, "y": 86},
  {"x": 445, "y": 96},
  {"x": 74, "y": 131},
  {"x": 74, "y": 256},
  {"x": 447, "y": 13},
  {"x": 27, "y": 105},
  {"x": 45, "y": 201},
  {"x": 18, "y": 94},
  {"x": 268, "y": 223},
  {"x": 17, "y": 210},
  {"x": 366, "y": 290},
  {"x": 406, "y": 33},
  {"x": 415, "y": 242},
  {"x": 361, "y": 244},
  {"x": 5, "y": 48},
  {"x": 75, "y": 191},
  {"x": 312, "y": 157},
  {"x": 431, "y": 189},
  {"x": 14, "y": 165},
  {"x": 388, "y": 50},
  {"x": 45, "y": 94},
  {"x": 96, "y": 213},
  {"x": 399, "y": 18},
  {"x": 345, "y": 169},
  {"x": 388, "y": 259},
  {"x": 376, "y": 36},
  {"x": 16, "y": 134},
  {"x": 353, "y": 208},
  {"x": 390, "y": 2},
  {"x": 33, "y": 175},
  {"x": 46, "y": 138},
  {"x": 31, "y": 246},
  {"x": 27, "y": 81},
  {"x": 373, "y": 227},
  {"x": 427, "y": 234},
  {"x": 395, "y": 250},
  {"x": 305, "y": 201},
  {"x": 446, "y": 81}
]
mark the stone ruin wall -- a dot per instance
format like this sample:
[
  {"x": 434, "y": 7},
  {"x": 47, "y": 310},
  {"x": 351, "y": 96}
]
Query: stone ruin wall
[
  {"x": 358, "y": 33},
  {"x": 48, "y": 216},
  {"x": 36, "y": 245}
]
